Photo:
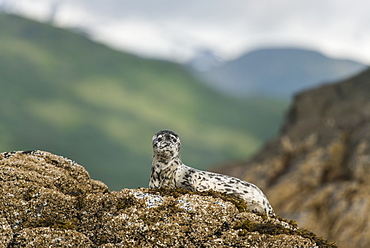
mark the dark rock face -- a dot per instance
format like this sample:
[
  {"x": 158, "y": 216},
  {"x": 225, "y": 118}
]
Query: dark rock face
[
  {"x": 318, "y": 170},
  {"x": 50, "y": 201}
]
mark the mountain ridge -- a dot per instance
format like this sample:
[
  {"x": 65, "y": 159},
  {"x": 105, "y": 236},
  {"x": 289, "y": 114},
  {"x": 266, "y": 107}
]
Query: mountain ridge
[{"x": 278, "y": 72}]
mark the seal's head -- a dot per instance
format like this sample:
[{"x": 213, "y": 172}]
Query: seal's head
[{"x": 166, "y": 144}]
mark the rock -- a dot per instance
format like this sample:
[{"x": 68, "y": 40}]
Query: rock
[
  {"x": 318, "y": 170},
  {"x": 49, "y": 237},
  {"x": 50, "y": 201},
  {"x": 6, "y": 232}
]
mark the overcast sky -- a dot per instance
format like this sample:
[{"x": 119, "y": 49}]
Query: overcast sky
[{"x": 177, "y": 29}]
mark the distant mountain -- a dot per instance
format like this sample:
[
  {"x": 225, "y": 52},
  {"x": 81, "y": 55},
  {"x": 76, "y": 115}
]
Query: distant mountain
[
  {"x": 278, "y": 72},
  {"x": 204, "y": 60},
  {"x": 63, "y": 93}
]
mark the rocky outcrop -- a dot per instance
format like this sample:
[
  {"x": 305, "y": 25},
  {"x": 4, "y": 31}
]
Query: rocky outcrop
[
  {"x": 50, "y": 201},
  {"x": 318, "y": 170}
]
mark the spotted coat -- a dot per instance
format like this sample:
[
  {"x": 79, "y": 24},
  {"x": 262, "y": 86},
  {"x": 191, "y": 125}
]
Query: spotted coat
[{"x": 168, "y": 171}]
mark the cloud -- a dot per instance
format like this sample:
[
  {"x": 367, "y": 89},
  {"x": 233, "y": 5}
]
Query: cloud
[{"x": 177, "y": 29}]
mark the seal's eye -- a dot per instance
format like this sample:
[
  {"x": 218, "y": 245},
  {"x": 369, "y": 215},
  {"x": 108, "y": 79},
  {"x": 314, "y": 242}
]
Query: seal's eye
[{"x": 159, "y": 139}]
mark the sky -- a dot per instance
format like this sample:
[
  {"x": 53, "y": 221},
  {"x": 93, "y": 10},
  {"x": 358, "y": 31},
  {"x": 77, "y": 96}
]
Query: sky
[{"x": 178, "y": 30}]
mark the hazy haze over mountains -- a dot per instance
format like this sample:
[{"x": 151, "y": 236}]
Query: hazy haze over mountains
[
  {"x": 176, "y": 30},
  {"x": 181, "y": 31},
  {"x": 275, "y": 72}
]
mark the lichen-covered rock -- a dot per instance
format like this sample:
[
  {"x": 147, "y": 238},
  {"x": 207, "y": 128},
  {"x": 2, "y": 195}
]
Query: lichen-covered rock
[
  {"x": 50, "y": 201},
  {"x": 49, "y": 237},
  {"x": 6, "y": 232},
  {"x": 318, "y": 170}
]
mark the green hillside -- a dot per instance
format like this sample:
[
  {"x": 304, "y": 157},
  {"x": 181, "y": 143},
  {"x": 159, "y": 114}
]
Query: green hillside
[{"x": 63, "y": 93}]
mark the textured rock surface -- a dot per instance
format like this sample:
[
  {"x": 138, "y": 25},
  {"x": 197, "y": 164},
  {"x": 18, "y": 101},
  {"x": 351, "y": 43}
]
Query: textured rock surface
[
  {"x": 318, "y": 170},
  {"x": 50, "y": 201}
]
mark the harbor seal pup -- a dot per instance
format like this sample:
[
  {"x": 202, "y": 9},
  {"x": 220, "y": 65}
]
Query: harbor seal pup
[{"x": 168, "y": 171}]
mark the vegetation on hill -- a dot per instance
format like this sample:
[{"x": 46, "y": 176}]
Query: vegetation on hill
[{"x": 61, "y": 92}]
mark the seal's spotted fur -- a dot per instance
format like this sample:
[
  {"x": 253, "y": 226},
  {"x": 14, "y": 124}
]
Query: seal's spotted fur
[{"x": 169, "y": 172}]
